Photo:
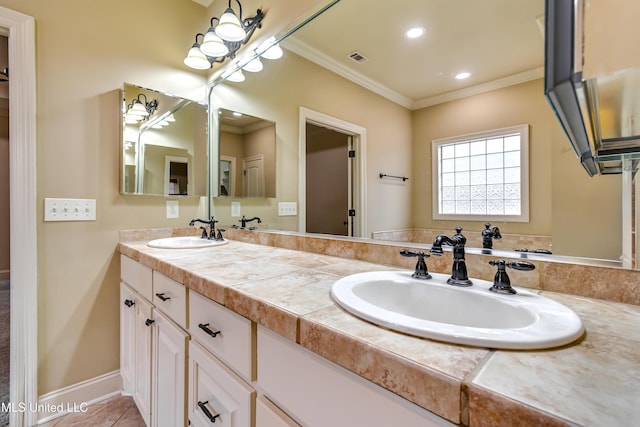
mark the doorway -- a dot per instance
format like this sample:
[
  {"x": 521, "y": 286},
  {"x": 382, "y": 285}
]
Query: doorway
[
  {"x": 328, "y": 181},
  {"x": 332, "y": 185},
  {"x": 20, "y": 30}
]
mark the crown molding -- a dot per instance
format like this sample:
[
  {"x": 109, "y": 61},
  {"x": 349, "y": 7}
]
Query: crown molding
[
  {"x": 314, "y": 55},
  {"x": 296, "y": 46},
  {"x": 205, "y": 3}
]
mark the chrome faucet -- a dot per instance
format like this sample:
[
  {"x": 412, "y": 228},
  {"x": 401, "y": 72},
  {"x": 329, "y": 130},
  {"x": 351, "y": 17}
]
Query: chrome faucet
[
  {"x": 488, "y": 234},
  {"x": 459, "y": 275},
  {"x": 243, "y": 221},
  {"x": 211, "y": 235}
]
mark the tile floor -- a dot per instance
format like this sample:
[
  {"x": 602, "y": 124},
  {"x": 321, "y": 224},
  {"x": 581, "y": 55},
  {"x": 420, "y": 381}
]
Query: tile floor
[{"x": 119, "y": 411}]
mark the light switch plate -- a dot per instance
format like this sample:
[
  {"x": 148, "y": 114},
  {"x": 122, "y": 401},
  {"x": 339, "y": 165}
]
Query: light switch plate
[
  {"x": 69, "y": 209},
  {"x": 173, "y": 209},
  {"x": 287, "y": 209}
]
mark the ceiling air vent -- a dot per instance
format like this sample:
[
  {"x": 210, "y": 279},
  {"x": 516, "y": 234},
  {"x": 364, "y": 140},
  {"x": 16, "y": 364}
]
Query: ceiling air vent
[{"x": 358, "y": 57}]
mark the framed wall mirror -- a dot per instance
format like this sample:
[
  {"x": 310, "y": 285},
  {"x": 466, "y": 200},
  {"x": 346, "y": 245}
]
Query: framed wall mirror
[
  {"x": 247, "y": 151},
  {"x": 164, "y": 144},
  {"x": 407, "y": 96}
]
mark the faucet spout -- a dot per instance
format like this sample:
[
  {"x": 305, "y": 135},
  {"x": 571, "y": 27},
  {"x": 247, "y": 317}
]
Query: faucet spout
[
  {"x": 243, "y": 221},
  {"x": 211, "y": 223},
  {"x": 488, "y": 234},
  {"x": 459, "y": 276}
]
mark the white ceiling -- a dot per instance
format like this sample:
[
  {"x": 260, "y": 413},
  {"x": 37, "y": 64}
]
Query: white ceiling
[{"x": 499, "y": 41}]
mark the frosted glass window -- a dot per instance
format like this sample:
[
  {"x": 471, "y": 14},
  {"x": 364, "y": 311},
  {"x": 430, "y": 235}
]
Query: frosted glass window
[{"x": 482, "y": 176}]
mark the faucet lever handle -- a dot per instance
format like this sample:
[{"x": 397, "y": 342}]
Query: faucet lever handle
[{"x": 421, "y": 271}]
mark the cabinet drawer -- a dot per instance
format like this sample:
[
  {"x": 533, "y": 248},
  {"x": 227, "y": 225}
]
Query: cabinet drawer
[
  {"x": 170, "y": 297},
  {"x": 216, "y": 394},
  {"x": 224, "y": 333},
  {"x": 136, "y": 275}
]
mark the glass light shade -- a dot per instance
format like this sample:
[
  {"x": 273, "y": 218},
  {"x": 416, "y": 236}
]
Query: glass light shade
[
  {"x": 137, "y": 109},
  {"x": 229, "y": 28},
  {"x": 131, "y": 120},
  {"x": 213, "y": 46},
  {"x": 236, "y": 77},
  {"x": 196, "y": 59},
  {"x": 274, "y": 52},
  {"x": 253, "y": 66}
]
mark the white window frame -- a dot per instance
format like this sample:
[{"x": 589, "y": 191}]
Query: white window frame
[{"x": 523, "y": 130}]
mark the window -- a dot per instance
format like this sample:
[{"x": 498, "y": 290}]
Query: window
[{"x": 482, "y": 176}]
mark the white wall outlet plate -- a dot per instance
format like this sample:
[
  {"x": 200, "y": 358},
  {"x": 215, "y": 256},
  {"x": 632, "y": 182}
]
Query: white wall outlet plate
[
  {"x": 69, "y": 209},
  {"x": 287, "y": 208},
  {"x": 235, "y": 209},
  {"x": 173, "y": 209}
]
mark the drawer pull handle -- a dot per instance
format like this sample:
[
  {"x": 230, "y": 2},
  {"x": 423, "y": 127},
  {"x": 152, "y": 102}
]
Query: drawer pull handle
[
  {"x": 205, "y": 327},
  {"x": 208, "y": 413},
  {"x": 128, "y": 303},
  {"x": 162, "y": 297},
  {"x": 148, "y": 322}
]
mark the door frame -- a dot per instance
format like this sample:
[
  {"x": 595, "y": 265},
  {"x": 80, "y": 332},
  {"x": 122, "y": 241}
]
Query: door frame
[
  {"x": 359, "y": 136},
  {"x": 23, "y": 379}
]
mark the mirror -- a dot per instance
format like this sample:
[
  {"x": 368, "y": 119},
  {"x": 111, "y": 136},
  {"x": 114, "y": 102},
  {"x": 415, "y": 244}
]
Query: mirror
[
  {"x": 164, "y": 147},
  {"x": 247, "y": 147},
  {"x": 400, "y": 123}
]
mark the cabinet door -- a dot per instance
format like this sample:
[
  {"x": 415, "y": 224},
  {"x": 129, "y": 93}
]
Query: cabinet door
[
  {"x": 142, "y": 371},
  {"x": 127, "y": 338},
  {"x": 269, "y": 415},
  {"x": 217, "y": 396},
  {"x": 168, "y": 373}
]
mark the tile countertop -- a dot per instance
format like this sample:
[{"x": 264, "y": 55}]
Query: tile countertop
[{"x": 593, "y": 382}]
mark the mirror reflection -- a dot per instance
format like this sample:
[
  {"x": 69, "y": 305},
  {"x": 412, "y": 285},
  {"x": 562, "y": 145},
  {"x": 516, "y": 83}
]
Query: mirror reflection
[
  {"x": 404, "y": 95},
  {"x": 247, "y": 146},
  {"x": 164, "y": 144}
]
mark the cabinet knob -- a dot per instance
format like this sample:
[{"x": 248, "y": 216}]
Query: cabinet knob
[
  {"x": 162, "y": 297},
  {"x": 128, "y": 303},
  {"x": 208, "y": 413},
  {"x": 210, "y": 332},
  {"x": 148, "y": 322}
]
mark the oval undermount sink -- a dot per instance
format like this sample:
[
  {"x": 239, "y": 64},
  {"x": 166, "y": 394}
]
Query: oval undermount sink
[
  {"x": 184, "y": 242},
  {"x": 462, "y": 315}
]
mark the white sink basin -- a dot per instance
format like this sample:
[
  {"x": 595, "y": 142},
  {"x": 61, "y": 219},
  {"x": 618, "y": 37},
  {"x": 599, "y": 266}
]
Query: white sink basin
[
  {"x": 184, "y": 242},
  {"x": 471, "y": 316}
]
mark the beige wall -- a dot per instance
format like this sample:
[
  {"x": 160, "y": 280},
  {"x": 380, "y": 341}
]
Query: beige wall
[
  {"x": 4, "y": 193},
  {"x": 85, "y": 51},
  {"x": 561, "y": 195},
  {"x": 276, "y": 95}
]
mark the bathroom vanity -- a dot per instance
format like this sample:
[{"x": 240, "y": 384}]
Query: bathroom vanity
[{"x": 257, "y": 340}]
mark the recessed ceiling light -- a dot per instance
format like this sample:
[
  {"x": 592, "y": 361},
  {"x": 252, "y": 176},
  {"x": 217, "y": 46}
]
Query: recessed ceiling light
[
  {"x": 462, "y": 76},
  {"x": 414, "y": 33}
]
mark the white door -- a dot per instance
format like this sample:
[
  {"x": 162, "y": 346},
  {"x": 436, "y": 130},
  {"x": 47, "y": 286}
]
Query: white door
[
  {"x": 253, "y": 176},
  {"x": 127, "y": 338},
  {"x": 169, "y": 368},
  {"x": 143, "y": 340}
]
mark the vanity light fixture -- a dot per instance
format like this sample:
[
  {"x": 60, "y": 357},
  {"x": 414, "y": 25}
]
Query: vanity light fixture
[
  {"x": 236, "y": 76},
  {"x": 225, "y": 36},
  {"x": 270, "y": 49},
  {"x": 253, "y": 66},
  {"x": 141, "y": 108}
]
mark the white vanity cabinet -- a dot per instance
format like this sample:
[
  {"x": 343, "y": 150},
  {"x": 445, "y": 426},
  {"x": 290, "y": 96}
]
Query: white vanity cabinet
[
  {"x": 316, "y": 392},
  {"x": 221, "y": 365},
  {"x": 153, "y": 350}
]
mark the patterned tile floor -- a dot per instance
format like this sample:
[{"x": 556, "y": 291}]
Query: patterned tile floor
[{"x": 119, "y": 411}]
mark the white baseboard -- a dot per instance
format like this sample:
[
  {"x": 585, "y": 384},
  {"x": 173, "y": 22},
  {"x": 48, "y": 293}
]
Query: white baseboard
[{"x": 76, "y": 397}]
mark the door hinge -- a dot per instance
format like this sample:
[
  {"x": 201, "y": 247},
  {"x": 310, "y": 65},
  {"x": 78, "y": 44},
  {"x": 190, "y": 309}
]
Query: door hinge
[
  {"x": 352, "y": 153},
  {"x": 352, "y": 212}
]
